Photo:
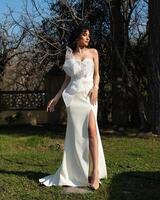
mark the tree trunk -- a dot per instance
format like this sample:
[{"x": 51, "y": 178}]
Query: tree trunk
[
  {"x": 119, "y": 106},
  {"x": 154, "y": 50}
]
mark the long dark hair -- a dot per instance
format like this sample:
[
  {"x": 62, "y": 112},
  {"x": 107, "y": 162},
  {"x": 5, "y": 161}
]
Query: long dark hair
[{"x": 76, "y": 34}]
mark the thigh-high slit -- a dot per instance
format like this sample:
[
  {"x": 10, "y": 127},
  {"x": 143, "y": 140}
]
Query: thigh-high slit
[{"x": 77, "y": 163}]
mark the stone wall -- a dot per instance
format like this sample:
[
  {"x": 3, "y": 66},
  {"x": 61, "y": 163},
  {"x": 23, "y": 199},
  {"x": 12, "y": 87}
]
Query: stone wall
[{"x": 23, "y": 117}]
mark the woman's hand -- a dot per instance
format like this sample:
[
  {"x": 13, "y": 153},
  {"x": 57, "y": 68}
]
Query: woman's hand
[
  {"x": 51, "y": 104},
  {"x": 93, "y": 94}
]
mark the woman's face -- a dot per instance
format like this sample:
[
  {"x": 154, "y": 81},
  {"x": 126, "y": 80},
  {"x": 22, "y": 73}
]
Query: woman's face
[{"x": 84, "y": 38}]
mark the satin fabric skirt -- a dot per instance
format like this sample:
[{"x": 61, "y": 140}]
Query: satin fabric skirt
[{"x": 76, "y": 164}]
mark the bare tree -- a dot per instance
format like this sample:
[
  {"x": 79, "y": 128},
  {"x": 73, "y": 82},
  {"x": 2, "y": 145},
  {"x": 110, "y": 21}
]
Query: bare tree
[
  {"x": 154, "y": 70},
  {"x": 118, "y": 32}
]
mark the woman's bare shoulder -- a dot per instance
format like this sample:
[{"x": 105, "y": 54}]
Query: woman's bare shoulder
[{"x": 93, "y": 51}]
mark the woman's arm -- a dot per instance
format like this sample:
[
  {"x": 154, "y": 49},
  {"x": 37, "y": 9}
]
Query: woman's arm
[
  {"x": 54, "y": 101},
  {"x": 96, "y": 78},
  {"x": 65, "y": 83}
]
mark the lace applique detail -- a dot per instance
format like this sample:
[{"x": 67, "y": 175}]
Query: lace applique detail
[
  {"x": 70, "y": 66},
  {"x": 69, "y": 52},
  {"x": 66, "y": 66}
]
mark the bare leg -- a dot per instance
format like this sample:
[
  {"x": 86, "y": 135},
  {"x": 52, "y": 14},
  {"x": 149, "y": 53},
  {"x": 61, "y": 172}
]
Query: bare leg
[{"x": 93, "y": 146}]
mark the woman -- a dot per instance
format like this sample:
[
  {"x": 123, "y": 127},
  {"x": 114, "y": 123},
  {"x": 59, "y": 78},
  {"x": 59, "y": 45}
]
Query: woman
[{"x": 83, "y": 161}]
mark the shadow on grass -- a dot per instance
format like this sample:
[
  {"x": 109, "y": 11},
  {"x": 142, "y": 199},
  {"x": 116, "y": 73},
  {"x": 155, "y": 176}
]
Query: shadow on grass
[
  {"x": 124, "y": 186},
  {"x": 135, "y": 186},
  {"x": 58, "y": 131},
  {"x": 29, "y": 130},
  {"x": 29, "y": 174},
  {"x": 29, "y": 163}
]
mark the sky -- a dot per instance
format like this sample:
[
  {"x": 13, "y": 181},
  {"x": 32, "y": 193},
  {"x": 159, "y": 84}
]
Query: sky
[{"x": 15, "y": 5}]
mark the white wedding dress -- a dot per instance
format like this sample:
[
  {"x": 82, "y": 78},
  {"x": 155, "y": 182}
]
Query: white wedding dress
[{"x": 76, "y": 164}]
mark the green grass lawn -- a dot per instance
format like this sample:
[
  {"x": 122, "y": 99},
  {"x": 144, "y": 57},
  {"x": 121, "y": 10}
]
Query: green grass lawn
[{"x": 133, "y": 166}]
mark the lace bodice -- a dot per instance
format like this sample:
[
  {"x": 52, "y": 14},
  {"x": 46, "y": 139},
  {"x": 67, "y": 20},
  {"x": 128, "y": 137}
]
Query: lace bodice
[{"x": 81, "y": 73}]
